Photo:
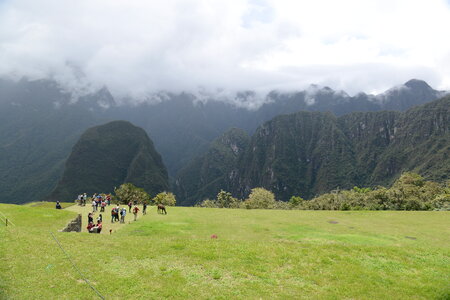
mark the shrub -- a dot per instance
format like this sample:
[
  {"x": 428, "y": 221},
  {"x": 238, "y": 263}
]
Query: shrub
[
  {"x": 165, "y": 198},
  {"x": 260, "y": 198},
  {"x": 128, "y": 192}
]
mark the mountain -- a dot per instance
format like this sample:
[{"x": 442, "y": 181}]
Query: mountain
[
  {"x": 309, "y": 153},
  {"x": 38, "y": 130},
  {"x": 108, "y": 155},
  {"x": 205, "y": 176},
  {"x": 42, "y": 121}
]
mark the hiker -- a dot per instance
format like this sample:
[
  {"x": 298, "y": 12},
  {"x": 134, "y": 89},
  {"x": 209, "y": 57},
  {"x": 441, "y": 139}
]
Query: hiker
[
  {"x": 103, "y": 205},
  {"x": 129, "y": 205},
  {"x": 84, "y": 199},
  {"x": 135, "y": 212},
  {"x": 123, "y": 213},
  {"x": 58, "y": 206},
  {"x": 144, "y": 208},
  {"x": 100, "y": 218},
  {"x": 108, "y": 199},
  {"x": 90, "y": 218},
  {"x": 94, "y": 205},
  {"x": 117, "y": 212},
  {"x": 113, "y": 214}
]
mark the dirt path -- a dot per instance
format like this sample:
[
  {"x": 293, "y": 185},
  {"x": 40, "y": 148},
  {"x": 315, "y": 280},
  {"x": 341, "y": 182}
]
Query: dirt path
[{"x": 107, "y": 225}]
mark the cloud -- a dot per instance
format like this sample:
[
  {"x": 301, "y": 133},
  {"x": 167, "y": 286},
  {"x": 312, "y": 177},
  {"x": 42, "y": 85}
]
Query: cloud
[{"x": 138, "y": 47}]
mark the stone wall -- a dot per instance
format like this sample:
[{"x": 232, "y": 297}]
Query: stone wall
[{"x": 74, "y": 225}]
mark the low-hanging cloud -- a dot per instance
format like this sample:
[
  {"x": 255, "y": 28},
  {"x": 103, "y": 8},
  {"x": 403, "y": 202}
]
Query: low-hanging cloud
[{"x": 140, "y": 47}]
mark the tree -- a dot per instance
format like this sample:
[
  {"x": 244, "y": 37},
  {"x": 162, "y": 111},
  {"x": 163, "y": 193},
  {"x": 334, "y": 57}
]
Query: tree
[
  {"x": 295, "y": 201},
  {"x": 128, "y": 192},
  {"x": 260, "y": 198},
  {"x": 165, "y": 198},
  {"x": 224, "y": 199}
]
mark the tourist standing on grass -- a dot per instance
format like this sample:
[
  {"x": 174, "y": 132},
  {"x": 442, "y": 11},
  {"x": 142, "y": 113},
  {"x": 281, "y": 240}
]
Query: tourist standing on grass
[
  {"x": 117, "y": 212},
  {"x": 123, "y": 213},
  {"x": 113, "y": 216},
  {"x": 144, "y": 208},
  {"x": 135, "y": 212},
  {"x": 93, "y": 205},
  {"x": 129, "y": 206}
]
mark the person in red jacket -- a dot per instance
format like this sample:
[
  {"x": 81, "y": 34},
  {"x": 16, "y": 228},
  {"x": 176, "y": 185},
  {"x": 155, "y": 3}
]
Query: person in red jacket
[
  {"x": 135, "y": 212},
  {"x": 89, "y": 227}
]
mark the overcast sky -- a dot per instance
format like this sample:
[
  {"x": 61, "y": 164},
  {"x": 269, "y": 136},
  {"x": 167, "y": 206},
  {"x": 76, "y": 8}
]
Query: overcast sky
[{"x": 140, "y": 46}]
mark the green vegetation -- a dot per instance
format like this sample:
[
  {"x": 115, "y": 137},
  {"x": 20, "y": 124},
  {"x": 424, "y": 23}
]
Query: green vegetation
[
  {"x": 207, "y": 175},
  {"x": 257, "y": 254},
  {"x": 46, "y": 204},
  {"x": 127, "y": 192},
  {"x": 165, "y": 198},
  {"x": 109, "y": 155},
  {"x": 311, "y": 153},
  {"x": 409, "y": 192}
]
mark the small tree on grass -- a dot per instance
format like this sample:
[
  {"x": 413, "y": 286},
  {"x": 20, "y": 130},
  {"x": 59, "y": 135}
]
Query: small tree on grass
[
  {"x": 165, "y": 198},
  {"x": 260, "y": 198},
  {"x": 295, "y": 201},
  {"x": 128, "y": 192},
  {"x": 224, "y": 199}
]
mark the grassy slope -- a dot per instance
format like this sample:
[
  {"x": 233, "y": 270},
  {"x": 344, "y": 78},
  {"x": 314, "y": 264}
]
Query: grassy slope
[{"x": 258, "y": 254}]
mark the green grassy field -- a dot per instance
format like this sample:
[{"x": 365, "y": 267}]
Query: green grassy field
[{"x": 259, "y": 254}]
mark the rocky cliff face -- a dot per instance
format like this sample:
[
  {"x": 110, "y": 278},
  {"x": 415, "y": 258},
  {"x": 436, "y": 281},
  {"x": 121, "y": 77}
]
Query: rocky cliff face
[
  {"x": 108, "y": 155},
  {"x": 309, "y": 153},
  {"x": 205, "y": 176}
]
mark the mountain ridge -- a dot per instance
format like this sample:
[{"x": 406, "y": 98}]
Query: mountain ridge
[
  {"x": 41, "y": 122},
  {"x": 309, "y": 153}
]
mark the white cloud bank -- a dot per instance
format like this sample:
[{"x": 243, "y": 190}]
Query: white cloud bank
[{"x": 136, "y": 47}]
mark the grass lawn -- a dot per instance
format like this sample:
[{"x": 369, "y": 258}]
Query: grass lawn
[
  {"x": 44, "y": 204},
  {"x": 263, "y": 254}
]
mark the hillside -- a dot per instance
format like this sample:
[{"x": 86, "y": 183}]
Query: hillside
[
  {"x": 214, "y": 170},
  {"x": 108, "y": 155},
  {"x": 42, "y": 121},
  {"x": 309, "y": 153},
  {"x": 258, "y": 254}
]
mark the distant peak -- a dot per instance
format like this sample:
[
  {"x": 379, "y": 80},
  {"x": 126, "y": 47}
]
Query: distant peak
[{"x": 417, "y": 84}]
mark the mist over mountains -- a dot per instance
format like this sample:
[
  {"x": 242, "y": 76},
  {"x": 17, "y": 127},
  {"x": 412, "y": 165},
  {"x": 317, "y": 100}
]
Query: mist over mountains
[{"x": 41, "y": 122}]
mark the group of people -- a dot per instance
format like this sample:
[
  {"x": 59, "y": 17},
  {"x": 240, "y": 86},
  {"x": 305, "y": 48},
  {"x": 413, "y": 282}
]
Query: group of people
[
  {"x": 94, "y": 228},
  {"x": 117, "y": 214},
  {"x": 98, "y": 201}
]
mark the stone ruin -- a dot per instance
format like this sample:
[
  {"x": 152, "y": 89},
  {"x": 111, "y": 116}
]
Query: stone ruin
[{"x": 74, "y": 225}]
